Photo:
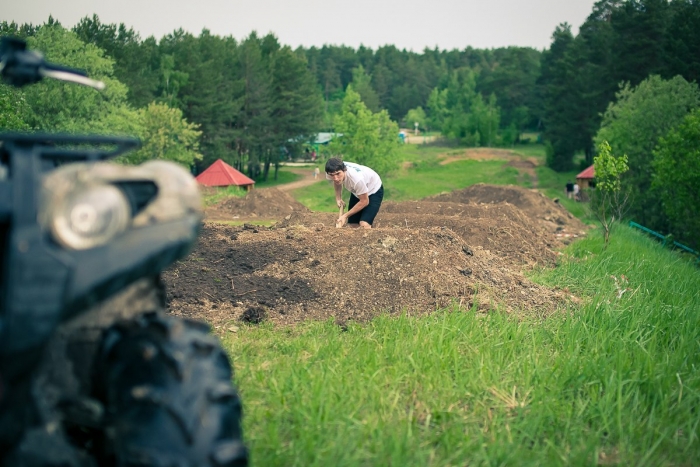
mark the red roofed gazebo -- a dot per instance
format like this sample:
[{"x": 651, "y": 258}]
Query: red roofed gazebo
[
  {"x": 222, "y": 174},
  {"x": 586, "y": 178}
]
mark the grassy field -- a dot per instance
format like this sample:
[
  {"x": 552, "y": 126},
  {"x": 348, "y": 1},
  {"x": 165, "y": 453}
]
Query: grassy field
[
  {"x": 421, "y": 175},
  {"x": 613, "y": 381},
  {"x": 283, "y": 176}
]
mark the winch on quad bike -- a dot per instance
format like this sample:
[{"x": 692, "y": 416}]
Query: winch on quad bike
[{"x": 92, "y": 371}]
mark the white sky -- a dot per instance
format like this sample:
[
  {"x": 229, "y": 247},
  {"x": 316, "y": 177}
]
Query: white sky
[{"x": 409, "y": 24}]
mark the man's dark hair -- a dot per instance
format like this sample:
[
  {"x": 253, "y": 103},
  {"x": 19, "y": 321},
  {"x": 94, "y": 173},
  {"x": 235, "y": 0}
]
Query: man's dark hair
[{"x": 334, "y": 164}]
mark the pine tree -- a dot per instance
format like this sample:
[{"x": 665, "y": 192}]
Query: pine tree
[
  {"x": 560, "y": 99},
  {"x": 296, "y": 102}
]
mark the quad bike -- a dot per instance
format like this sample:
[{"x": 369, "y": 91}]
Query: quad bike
[{"x": 92, "y": 371}]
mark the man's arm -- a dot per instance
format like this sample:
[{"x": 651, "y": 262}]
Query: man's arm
[
  {"x": 338, "y": 194},
  {"x": 361, "y": 204}
]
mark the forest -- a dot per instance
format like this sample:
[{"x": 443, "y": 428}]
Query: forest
[{"x": 628, "y": 77}]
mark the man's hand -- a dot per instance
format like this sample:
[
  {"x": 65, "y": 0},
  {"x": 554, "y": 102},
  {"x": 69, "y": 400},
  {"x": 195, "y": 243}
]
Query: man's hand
[
  {"x": 342, "y": 218},
  {"x": 340, "y": 203}
]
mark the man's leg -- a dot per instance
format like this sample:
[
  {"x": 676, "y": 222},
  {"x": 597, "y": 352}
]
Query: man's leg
[
  {"x": 353, "y": 221},
  {"x": 368, "y": 214}
]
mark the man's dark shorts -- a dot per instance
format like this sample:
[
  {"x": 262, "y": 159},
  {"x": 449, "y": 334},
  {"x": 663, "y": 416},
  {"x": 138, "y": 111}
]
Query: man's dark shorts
[{"x": 370, "y": 211}]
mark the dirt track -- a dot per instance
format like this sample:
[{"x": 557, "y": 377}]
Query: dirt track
[
  {"x": 307, "y": 179},
  {"x": 466, "y": 248}
]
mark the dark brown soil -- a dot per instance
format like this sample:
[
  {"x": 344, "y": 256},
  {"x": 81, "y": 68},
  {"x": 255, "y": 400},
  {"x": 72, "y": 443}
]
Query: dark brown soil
[
  {"x": 534, "y": 204},
  {"x": 420, "y": 256},
  {"x": 266, "y": 203},
  {"x": 502, "y": 229}
]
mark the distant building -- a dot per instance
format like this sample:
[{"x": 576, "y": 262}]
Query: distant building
[
  {"x": 325, "y": 138},
  {"x": 586, "y": 179},
  {"x": 222, "y": 174}
]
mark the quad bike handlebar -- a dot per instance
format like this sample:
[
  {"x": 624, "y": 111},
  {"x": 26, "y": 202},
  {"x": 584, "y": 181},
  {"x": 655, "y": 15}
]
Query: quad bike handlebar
[{"x": 19, "y": 66}]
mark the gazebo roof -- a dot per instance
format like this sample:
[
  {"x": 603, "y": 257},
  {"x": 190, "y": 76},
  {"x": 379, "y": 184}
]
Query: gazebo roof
[
  {"x": 222, "y": 174},
  {"x": 589, "y": 173}
]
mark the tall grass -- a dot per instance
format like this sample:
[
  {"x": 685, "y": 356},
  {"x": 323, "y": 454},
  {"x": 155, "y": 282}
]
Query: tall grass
[{"x": 613, "y": 380}]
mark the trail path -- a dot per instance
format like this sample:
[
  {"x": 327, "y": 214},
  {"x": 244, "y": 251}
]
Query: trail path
[
  {"x": 308, "y": 179},
  {"x": 419, "y": 139}
]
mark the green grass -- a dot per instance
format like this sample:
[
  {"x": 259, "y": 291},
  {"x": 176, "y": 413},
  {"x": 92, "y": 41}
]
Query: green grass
[
  {"x": 283, "y": 176},
  {"x": 535, "y": 150},
  {"x": 317, "y": 197},
  {"x": 214, "y": 195},
  {"x": 421, "y": 175},
  {"x": 611, "y": 381},
  {"x": 614, "y": 381},
  {"x": 428, "y": 178}
]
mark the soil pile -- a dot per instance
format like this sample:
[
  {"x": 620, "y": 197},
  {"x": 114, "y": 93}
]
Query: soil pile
[
  {"x": 265, "y": 203},
  {"x": 501, "y": 229},
  {"x": 466, "y": 248},
  {"x": 551, "y": 215},
  {"x": 291, "y": 274}
]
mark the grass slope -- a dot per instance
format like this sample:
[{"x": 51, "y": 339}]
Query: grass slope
[{"x": 614, "y": 382}]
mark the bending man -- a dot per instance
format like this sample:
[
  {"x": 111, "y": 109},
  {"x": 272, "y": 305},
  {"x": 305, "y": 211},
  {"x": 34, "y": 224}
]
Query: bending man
[{"x": 365, "y": 187}]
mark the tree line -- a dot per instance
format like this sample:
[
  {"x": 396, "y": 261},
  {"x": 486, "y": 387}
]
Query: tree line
[
  {"x": 191, "y": 99},
  {"x": 620, "y": 42},
  {"x": 482, "y": 97},
  {"x": 630, "y": 79},
  {"x": 253, "y": 98},
  {"x": 251, "y": 101}
]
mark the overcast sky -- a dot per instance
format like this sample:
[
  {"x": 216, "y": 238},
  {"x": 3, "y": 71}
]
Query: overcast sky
[{"x": 409, "y": 24}]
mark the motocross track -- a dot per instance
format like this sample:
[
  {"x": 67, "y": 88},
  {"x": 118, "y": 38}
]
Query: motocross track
[{"x": 466, "y": 248}]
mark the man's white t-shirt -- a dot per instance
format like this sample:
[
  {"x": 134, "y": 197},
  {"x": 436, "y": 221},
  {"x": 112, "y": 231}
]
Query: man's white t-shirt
[{"x": 360, "y": 179}]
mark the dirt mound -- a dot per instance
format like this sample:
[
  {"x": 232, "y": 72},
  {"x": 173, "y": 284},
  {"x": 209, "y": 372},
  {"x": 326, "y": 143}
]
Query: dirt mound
[
  {"x": 287, "y": 275},
  {"x": 263, "y": 203},
  {"x": 520, "y": 243},
  {"x": 465, "y": 248},
  {"x": 456, "y": 209},
  {"x": 479, "y": 154},
  {"x": 500, "y": 229},
  {"x": 553, "y": 216}
]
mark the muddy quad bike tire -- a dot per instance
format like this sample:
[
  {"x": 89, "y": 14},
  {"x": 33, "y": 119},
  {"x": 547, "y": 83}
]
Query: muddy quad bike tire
[{"x": 166, "y": 387}]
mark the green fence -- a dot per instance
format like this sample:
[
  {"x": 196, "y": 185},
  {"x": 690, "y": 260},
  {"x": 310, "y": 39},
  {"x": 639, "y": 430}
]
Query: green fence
[{"x": 667, "y": 240}]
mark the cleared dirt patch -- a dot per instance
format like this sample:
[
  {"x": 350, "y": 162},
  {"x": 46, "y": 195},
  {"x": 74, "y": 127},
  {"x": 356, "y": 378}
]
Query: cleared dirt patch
[
  {"x": 501, "y": 229},
  {"x": 307, "y": 174},
  {"x": 291, "y": 274},
  {"x": 466, "y": 248},
  {"x": 483, "y": 154}
]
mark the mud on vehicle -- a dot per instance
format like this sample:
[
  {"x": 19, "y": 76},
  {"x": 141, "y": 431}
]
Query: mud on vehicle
[{"x": 92, "y": 371}]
